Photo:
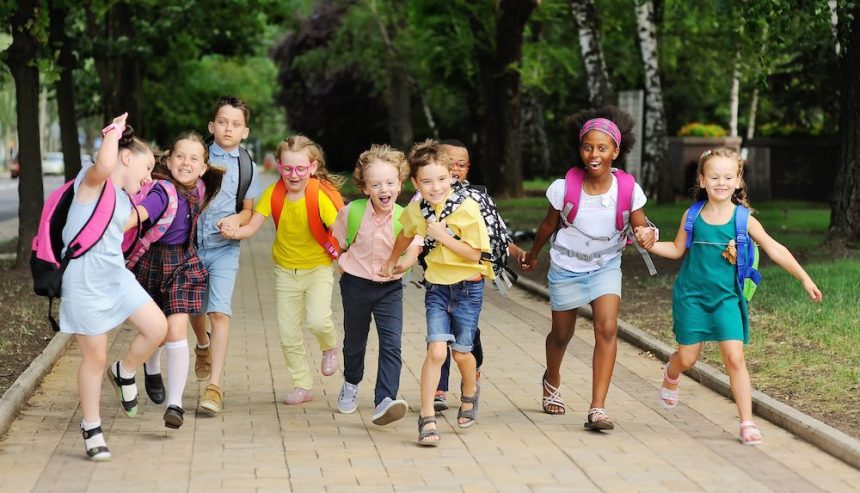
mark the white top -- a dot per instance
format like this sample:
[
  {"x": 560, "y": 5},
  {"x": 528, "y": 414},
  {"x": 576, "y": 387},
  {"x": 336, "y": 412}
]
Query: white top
[{"x": 596, "y": 217}]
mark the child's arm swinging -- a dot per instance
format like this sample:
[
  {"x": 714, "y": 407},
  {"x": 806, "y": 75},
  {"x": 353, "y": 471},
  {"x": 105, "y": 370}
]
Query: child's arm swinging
[
  {"x": 136, "y": 218},
  {"x": 228, "y": 225},
  {"x": 669, "y": 249},
  {"x": 547, "y": 227},
  {"x": 246, "y": 231},
  {"x": 782, "y": 257},
  {"x": 400, "y": 245},
  {"x": 106, "y": 161}
]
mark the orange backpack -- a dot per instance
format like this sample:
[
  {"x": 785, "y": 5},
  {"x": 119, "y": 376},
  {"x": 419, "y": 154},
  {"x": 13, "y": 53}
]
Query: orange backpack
[{"x": 319, "y": 230}]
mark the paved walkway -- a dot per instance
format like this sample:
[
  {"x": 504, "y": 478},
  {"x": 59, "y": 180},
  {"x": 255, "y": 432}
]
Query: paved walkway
[{"x": 259, "y": 444}]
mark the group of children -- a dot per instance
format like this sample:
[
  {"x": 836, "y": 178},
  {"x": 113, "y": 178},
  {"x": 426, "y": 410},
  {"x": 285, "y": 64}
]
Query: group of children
[{"x": 202, "y": 203}]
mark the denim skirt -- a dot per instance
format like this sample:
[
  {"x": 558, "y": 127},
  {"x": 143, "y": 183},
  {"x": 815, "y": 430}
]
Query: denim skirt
[{"x": 570, "y": 290}]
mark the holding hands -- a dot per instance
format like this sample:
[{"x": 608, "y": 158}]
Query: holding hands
[
  {"x": 229, "y": 227},
  {"x": 646, "y": 236}
]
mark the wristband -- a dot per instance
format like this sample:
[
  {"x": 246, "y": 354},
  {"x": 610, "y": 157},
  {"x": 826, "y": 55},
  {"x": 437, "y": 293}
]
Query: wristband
[{"x": 113, "y": 126}]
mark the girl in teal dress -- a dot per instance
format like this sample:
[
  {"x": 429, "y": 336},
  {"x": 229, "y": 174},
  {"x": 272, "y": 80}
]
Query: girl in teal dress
[{"x": 707, "y": 304}]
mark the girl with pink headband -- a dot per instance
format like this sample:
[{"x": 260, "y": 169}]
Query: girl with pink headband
[{"x": 589, "y": 219}]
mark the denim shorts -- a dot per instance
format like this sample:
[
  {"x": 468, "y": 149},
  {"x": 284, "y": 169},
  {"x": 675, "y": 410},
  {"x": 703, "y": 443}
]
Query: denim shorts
[
  {"x": 222, "y": 262},
  {"x": 453, "y": 311},
  {"x": 570, "y": 290}
]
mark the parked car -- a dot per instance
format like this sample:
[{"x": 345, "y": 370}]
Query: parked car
[
  {"x": 15, "y": 167},
  {"x": 52, "y": 163}
]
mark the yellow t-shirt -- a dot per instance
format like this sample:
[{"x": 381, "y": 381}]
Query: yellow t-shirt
[
  {"x": 295, "y": 247},
  {"x": 443, "y": 265}
]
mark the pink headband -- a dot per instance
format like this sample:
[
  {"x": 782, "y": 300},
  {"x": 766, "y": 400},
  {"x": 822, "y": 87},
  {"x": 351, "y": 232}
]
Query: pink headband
[{"x": 602, "y": 125}]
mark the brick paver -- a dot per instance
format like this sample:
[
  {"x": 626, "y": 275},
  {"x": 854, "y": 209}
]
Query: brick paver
[{"x": 258, "y": 444}]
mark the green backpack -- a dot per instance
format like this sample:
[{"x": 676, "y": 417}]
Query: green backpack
[{"x": 356, "y": 213}]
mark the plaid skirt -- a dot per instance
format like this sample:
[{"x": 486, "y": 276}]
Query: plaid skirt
[{"x": 174, "y": 276}]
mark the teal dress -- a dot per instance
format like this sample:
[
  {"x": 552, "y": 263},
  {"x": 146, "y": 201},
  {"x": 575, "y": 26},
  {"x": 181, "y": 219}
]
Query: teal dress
[{"x": 706, "y": 301}]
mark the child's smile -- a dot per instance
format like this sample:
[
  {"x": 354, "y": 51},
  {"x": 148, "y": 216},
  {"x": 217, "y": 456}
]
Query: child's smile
[
  {"x": 434, "y": 183},
  {"x": 186, "y": 162},
  {"x": 296, "y": 170},
  {"x": 598, "y": 151},
  {"x": 382, "y": 185}
]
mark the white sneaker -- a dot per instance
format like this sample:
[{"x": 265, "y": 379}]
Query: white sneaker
[
  {"x": 347, "y": 400},
  {"x": 389, "y": 411}
]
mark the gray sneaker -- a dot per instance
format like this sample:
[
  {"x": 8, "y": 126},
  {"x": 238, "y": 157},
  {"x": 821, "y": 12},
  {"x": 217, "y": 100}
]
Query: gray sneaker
[
  {"x": 389, "y": 411},
  {"x": 347, "y": 400}
]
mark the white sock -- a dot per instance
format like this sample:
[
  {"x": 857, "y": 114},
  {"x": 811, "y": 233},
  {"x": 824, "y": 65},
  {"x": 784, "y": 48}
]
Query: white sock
[
  {"x": 153, "y": 364},
  {"x": 96, "y": 440},
  {"x": 129, "y": 392},
  {"x": 177, "y": 371},
  {"x": 204, "y": 346}
]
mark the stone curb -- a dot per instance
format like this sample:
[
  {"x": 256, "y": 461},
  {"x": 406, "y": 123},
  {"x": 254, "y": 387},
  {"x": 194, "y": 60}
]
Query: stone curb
[
  {"x": 16, "y": 396},
  {"x": 823, "y": 436}
]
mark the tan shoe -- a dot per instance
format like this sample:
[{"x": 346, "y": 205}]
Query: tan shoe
[
  {"x": 212, "y": 399},
  {"x": 202, "y": 362}
]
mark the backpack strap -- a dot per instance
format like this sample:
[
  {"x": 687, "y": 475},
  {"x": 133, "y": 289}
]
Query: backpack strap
[
  {"x": 246, "y": 173},
  {"x": 160, "y": 225},
  {"x": 356, "y": 213},
  {"x": 572, "y": 191},
  {"x": 745, "y": 247},
  {"x": 624, "y": 200},
  {"x": 96, "y": 225},
  {"x": 277, "y": 201},
  {"x": 319, "y": 230},
  {"x": 692, "y": 213}
]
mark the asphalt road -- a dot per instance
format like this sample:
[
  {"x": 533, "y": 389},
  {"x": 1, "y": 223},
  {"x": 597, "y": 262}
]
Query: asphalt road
[{"x": 9, "y": 194}]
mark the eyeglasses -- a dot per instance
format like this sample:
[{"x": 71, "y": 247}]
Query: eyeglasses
[
  {"x": 460, "y": 164},
  {"x": 287, "y": 170}
]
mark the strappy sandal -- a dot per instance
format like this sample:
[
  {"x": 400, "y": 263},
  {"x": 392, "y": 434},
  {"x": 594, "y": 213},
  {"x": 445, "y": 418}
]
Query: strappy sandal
[
  {"x": 598, "y": 420},
  {"x": 669, "y": 397},
  {"x": 749, "y": 434},
  {"x": 130, "y": 406},
  {"x": 424, "y": 435},
  {"x": 100, "y": 453},
  {"x": 553, "y": 399},
  {"x": 472, "y": 414}
]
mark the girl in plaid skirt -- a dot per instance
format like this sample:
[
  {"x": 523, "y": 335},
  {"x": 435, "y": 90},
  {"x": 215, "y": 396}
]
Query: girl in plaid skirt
[{"x": 170, "y": 270}]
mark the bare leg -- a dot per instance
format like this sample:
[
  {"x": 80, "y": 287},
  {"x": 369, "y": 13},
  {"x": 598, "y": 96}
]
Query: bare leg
[
  {"x": 467, "y": 365},
  {"x": 90, "y": 373},
  {"x": 198, "y": 323},
  {"x": 563, "y": 323},
  {"x": 436, "y": 352},
  {"x": 739, "y": 377},
  {"x": 605, "y": 311},
  {"x": 220, "y": 337},
  {"x": 151, "y": 329},
  {"x": 681, "y": 360}
]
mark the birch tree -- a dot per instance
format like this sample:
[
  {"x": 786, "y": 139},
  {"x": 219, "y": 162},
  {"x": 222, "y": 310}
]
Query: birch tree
[
  {"x": 599, "y": 86},
  {"x": 655, "y": 155}
]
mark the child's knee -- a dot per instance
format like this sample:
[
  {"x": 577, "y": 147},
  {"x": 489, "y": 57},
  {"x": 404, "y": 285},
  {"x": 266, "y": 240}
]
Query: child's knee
[
  {"x": 734, "y": 361},
  {"x": 605, "y": 332},
  {"x": 686, "y": 360},
  {"x": 219, "y": 320},
  {"x": 437, "y": 352}
]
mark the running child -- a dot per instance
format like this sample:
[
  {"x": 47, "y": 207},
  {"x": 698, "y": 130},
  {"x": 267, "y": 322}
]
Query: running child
[
  {"x": 303, "y": 252},
  {"x": 218, "y": 251},
  {"x": 453, "y": 280},
  {"x": 707, "y": 299},
  {"x": 170, "y": 270},
  {"x": 585, "y": 258},
  {"x": 98, "y": 292},
  {"x": 366, "y": 229}
]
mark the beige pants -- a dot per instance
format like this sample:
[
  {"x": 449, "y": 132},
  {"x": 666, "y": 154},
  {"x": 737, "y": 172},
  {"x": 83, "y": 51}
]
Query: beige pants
[{"x": 303, "y": 297}]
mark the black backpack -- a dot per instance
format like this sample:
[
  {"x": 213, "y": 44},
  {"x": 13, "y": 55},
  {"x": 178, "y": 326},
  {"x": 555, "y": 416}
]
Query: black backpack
[{"x": 246, "y": 172}]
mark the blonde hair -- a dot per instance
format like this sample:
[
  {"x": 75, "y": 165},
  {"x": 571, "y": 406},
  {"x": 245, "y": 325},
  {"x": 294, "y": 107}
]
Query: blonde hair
[
  {"x": 300, "y": 143},
  {"x": 740, "y": 194},
  {"x": 383, "y": 153},
  {"x": 426, "y": 153}
]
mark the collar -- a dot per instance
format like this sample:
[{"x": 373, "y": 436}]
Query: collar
[{"x": 217, "y": 150}]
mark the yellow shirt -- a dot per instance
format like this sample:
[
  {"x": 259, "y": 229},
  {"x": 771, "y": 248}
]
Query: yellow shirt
[
  {"x": 295, "y": 247},
  {"x": 443, "y": 265}
]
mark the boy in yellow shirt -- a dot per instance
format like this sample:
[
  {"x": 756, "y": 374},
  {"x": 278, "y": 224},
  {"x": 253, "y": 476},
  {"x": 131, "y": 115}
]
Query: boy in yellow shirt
[{"x": 454, "y": 279}]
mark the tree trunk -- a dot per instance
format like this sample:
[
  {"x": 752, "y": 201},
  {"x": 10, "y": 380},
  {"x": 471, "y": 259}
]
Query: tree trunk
[
  {"x": 656, "y": 175},
  {"x": 753, "y": 111},
  {"x": 21, "y": 58},
  {"x": 500, "y": 87},
  {"x": 399, "y": 110},
  {"x": 833, "y": 6},
  {"x": 65, "y": 87},
  {"x": 845, "y": 207},
  {"x": 734, "y": 98},
  {"x": 599, "y": 87},
  {"x": 536, "y": 160}
]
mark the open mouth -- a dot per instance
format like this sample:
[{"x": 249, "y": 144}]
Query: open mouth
[
  {"x": 385, "y": 200},
  {"x": 594, "y": 164}
]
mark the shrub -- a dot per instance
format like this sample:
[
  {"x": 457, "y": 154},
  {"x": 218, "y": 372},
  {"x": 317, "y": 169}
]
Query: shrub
[{"x": 696, "y": 129}]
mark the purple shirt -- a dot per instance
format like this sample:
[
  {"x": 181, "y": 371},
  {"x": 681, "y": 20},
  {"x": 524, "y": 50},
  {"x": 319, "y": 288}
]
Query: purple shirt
[{"x": 156, "y": 202}]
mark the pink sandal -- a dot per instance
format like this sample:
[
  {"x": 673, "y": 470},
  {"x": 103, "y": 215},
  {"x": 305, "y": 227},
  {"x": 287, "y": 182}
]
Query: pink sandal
[
  {"x": 669, "y": 397},
  {"x": 299, "y": 396},
  {"x": 329, "y": 362},
  {"x": 750, "y": 434}
]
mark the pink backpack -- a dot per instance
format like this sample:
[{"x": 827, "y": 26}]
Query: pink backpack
[
  {"x": 623, "y": 208},
  {"x": 47, "y": 263},
  {"x": 137, "y": 241}
]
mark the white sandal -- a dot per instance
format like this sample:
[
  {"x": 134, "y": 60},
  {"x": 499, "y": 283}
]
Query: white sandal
[
  {"x": 598, "y": 420},
  {"x": 553, "y": 399},
  {"x": 668, "y": 397},
  {"x": 749, "y": 434}
]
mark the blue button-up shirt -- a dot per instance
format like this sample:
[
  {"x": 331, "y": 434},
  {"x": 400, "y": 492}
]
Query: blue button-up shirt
[{"x": 224, "y": 202}]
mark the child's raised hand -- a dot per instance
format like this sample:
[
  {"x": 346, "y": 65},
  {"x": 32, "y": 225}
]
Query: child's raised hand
[
  {"x": 812, "y": 290},
  {"x": 436, "y": 229}
]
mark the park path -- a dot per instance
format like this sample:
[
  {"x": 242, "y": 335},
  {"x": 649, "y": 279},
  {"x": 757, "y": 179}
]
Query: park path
[{"x": 259, "y": 444}]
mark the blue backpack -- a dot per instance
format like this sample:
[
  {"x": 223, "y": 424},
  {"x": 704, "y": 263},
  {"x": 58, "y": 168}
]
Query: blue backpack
[{"x": 748, "y": 275}]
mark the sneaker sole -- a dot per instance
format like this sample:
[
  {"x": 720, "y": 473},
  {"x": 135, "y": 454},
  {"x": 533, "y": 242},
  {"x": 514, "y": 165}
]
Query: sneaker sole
[
  {"x": 208, "y": 408},
  {"x": 347, "y": 411},
  {"x": 440, "y": 406},
  {"x": 394, "y": 412}
]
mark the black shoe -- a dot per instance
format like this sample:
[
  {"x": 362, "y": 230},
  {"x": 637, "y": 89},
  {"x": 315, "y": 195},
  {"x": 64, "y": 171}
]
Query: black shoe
[
  {"x": 154, "y": 386},
  {"x": 174, "y": 417}
]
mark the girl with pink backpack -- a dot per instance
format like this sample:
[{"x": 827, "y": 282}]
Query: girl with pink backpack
[
  {"x": 165, "y": 262},
  {"x": 98, "y": 293},
  {"x": 589, "y": 219}
]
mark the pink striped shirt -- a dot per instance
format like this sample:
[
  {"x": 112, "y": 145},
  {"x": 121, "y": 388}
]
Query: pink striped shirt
[{"x": 372, "y": 245}]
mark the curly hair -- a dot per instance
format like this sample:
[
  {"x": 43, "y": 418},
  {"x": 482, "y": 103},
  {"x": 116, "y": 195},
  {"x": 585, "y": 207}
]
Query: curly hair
[
  {"x": 383, "y": 153},
  {"x": 300, "y": 143},
  {"x": 212, "y": 177},
  {"x": 425, "y": 153},
  {"x": 740, "y": 194},
  {"x": 621, "y": 119}
]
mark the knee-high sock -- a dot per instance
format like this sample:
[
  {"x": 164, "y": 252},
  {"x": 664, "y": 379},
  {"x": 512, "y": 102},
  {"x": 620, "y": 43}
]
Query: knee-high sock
[
  {"x": 153, "y": 364},
  {"x": 177, "y": 371}
]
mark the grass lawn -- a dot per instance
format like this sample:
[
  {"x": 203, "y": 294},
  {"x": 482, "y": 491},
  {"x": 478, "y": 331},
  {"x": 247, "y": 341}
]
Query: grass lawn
[{"x": 804, "y": 353}]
